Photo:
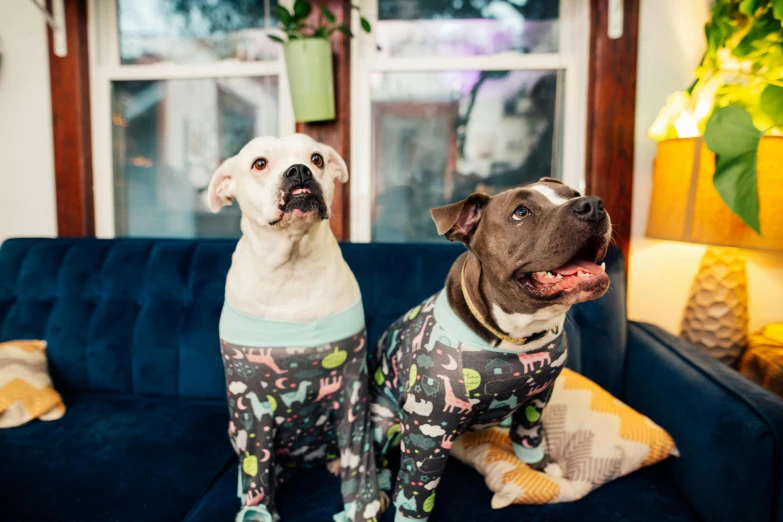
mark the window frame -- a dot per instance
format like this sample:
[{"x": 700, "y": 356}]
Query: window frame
[
  {"x": 572, "y": 58},
  {"x": 105, "y": 67}
]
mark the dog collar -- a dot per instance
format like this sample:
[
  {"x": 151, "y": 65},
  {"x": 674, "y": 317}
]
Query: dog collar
[{"x": 500, "y": 335}]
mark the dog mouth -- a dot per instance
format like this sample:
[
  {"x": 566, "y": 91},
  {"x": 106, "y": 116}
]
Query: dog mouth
[
  {"x": 301, "y": 201},
  {"x": 581, "y": 276}
]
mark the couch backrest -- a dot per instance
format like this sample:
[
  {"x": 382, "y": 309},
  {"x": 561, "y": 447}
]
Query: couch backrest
[{"x": 140, "y": 316}]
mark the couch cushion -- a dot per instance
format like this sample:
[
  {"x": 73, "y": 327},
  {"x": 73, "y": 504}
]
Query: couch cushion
[
  {"x": 113, "y": 459},
  {"x": 314, "y": 496}
]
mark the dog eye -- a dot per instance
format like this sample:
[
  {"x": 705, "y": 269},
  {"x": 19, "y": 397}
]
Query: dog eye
[
  {"x": 520, "y": 213},
  {"x": 317, "y": 160},
  {"x": 259, "y": 164}
]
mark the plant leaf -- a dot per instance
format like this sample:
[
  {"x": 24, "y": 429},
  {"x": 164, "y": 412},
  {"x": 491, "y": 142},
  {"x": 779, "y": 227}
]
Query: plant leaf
[
  {"x": 777, "y": 9},
  {"x": 735, "y": 181},
  {"x": 320, "y": 32},
  {"x": 327, "y": 14},
  {"x": 283, "y": 15},
  {"x": 366, "y": 25},
  {"x": 749, "y": 7},
  {"x": 276, "y": 38},
  {"x": 731, "y": 135},
  {"x": 354, "y": 6},
  {"x": 344, "y": 29},
  {"x": 762, "y": 27},
  {"x": 771, "y": 103},
  {"x": 302, "y": 9}
]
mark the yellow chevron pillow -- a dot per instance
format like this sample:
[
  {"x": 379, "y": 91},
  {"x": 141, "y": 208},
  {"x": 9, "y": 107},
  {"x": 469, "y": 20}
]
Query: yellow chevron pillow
[
  {"x": 26, "y": 391},
  {"x": 591, "y": 436}
]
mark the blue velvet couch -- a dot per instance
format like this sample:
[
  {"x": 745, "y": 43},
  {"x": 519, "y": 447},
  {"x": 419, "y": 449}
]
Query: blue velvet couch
[{"x": 133, "y": 347}]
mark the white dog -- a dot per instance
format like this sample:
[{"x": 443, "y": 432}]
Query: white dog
[
  {"x": 287, "y": 265},
  {"x": 292, "y": 326}
]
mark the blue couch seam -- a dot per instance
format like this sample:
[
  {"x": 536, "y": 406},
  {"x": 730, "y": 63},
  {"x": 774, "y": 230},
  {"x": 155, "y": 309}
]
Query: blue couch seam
[
  {"x": 225, "y": 468},
  {"x": 91, "y": 326},
  {"x": 184, "y": 319},
  {"x": 15, "y": 289},
  {"x": 142, "y": 301}
]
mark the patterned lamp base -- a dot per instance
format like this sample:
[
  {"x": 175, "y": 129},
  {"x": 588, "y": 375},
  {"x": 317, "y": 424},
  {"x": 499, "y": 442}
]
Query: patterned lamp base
[{"x": 716, "y": 315}]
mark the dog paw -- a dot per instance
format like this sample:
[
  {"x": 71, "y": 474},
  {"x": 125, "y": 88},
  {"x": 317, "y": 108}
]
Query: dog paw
[
  {"x": 553, "y": 469},
  {"x": 334, "y": 467}
]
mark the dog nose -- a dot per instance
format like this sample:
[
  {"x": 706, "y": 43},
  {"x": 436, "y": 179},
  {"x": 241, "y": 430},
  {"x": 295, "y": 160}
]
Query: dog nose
[
  {"x": 589, "y": 208},
  {"x": 299, "y": 172}
]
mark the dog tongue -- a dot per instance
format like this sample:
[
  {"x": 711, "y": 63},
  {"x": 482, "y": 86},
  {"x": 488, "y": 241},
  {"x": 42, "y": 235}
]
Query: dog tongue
[{"x": 580, "y": 264}]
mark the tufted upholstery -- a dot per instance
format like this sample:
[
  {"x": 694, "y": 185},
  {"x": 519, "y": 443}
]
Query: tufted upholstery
[
  {"x": 139, "y": 317},
  {"x": 133, "y": 346},
  {"x": 127, "y": 316}
]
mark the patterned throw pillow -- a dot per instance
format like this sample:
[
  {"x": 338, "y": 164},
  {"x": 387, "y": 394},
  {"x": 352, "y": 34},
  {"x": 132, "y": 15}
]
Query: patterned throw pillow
[
  {"x": 591, "y": 436},
  {"x": 26, "y": 391}
]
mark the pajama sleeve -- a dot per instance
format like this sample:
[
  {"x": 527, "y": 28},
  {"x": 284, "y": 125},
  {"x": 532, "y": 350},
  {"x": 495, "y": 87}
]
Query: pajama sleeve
[{"x": 526, "y": 429}]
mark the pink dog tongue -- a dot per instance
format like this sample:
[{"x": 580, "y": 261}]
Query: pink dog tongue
[{"x": 581, "y": 264}]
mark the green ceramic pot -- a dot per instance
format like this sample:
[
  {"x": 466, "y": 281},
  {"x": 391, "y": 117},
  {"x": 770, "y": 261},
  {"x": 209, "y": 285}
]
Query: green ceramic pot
[{"x": 310, "y": 76}]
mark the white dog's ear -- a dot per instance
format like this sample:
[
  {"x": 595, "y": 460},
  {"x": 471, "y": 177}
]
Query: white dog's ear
[
  {"x": 336, "y": 164},
  {"x": 221, "y": 188}
]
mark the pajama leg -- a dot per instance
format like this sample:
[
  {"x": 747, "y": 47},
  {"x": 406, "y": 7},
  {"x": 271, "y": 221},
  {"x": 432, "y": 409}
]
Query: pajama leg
[
  {"x": 354, "y": 437},
  {"x": 427, "y": 434},
  {"x": 526, "y": 429},
  {"x": 252, "y": 434}
]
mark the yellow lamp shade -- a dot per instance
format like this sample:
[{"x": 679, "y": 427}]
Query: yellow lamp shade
[{"x": 686, "y": 207}]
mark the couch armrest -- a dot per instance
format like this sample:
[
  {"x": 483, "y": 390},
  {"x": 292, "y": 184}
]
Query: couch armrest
[{"x": 729, "y": 430}]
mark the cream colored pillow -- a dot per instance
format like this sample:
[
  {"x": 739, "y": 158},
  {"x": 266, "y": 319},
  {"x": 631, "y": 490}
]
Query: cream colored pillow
[
  {"x": 591, "y": 436},
  {"x": 26, "y": 391}
]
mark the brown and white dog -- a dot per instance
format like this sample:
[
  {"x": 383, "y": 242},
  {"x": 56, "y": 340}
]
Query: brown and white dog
[
  {"x": 489, "y": 346},
  {"x": 532, "y": 253}
]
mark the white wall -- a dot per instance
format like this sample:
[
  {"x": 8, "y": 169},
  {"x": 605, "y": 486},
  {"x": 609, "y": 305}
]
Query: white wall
[
  {"x": 671, "y": 44},
  {"x": 27, "y": 202}
]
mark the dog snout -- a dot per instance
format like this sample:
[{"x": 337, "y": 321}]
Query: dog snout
[
  {"x": 589, "y": 208},
  {"x": 299, "y": 173}
]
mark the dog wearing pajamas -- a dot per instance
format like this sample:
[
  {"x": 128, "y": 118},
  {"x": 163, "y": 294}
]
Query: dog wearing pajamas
[
  {"x": 489, "y": 346},
  {"x": 292, "y": 329}
]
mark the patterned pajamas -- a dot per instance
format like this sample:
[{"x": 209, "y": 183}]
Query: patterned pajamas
[
  {"x": 297, "y": 406},
  {"x": 435, "y": 379}
]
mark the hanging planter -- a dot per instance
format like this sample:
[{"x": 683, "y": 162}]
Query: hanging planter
[
  {"x": 309, "y": 65},
  {"x": 308, "y": 58}
]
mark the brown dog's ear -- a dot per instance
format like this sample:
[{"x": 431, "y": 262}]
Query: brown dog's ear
[
  {"x": 459, "y": 220},
  {"x": 550, "y": 180}
]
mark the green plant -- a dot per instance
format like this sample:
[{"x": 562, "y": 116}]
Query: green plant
[
  {"x": 294, "y": 23},
  {"x": 736, "y": 98}
]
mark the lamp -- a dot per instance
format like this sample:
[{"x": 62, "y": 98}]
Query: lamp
[{"x": 685, "y": 206}]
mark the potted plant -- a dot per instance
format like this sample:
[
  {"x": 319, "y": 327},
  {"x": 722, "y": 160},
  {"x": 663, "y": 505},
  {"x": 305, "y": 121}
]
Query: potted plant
[
  {"x": 308, "y": 58},
  {"x": 735, "y": 100}
]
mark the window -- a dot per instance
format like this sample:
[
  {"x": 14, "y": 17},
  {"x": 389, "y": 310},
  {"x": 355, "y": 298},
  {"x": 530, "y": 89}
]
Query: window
[
  {"x": 177, "y": 87},
  {"x": 459, "y": 97}
]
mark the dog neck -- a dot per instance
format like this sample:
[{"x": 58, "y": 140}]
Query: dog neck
[
  {"x": 272, "y": 248},
  {"x": 294, "y": 273},
  {"x": 549, "y": 320}
]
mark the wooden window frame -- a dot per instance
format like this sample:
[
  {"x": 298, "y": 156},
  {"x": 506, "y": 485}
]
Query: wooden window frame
[{"x": 609, "y": 134}]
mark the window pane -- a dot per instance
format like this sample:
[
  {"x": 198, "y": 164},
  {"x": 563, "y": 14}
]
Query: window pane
[
  {"x": 466, "y": 28},
  {"x": 439, "y": 136},
  {"x": 168, "y": 139},
  {"x": 195, "y": 31}
]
